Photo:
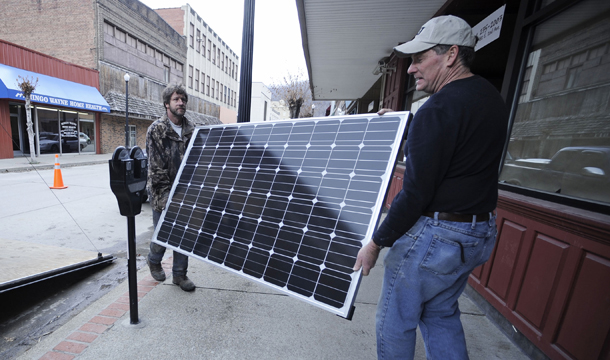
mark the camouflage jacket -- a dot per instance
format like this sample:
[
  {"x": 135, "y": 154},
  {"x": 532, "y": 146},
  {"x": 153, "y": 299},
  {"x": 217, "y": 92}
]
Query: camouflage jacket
[{"x": 165, "y": 150}]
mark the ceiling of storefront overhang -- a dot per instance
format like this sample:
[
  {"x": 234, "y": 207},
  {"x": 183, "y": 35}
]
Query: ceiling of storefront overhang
[{"x": 344, "y": 39}]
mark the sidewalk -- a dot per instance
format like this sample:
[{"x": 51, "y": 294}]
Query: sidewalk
[
  {"x": 47, "y": 161},
  {"x": 230, "y": 317}
]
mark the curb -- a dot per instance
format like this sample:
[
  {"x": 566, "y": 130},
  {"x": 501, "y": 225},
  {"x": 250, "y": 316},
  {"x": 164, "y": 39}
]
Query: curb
[
  {"x": 79, "y": 340},
  {"x": 50, "y": 166}
]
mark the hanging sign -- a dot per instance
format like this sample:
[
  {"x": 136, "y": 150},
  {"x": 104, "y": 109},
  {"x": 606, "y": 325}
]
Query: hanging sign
[{"x": 488, "y": 30}]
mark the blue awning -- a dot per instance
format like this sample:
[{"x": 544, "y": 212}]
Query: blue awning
[{"x": 51, "y": 91}]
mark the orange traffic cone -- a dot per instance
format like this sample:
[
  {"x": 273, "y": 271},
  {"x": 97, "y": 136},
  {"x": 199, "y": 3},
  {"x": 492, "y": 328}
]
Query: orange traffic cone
[{"x": 58, "y": 182}]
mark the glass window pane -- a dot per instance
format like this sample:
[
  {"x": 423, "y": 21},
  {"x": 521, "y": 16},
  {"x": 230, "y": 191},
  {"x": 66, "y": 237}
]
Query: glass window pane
[
  {"x": 560, "y": 141},
  {"x": 70, "y": 142},
  {"x": 87, "y": 133},
  {"x": 48, "y": 131}
]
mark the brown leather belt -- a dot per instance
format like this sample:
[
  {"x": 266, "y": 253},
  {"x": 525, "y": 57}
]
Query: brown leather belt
[{"x": 457, "y": 217}]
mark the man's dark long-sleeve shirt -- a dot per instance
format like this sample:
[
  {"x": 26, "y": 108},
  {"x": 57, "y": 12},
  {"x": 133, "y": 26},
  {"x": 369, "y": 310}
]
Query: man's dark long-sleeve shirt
[{"x": 454, "y": 148}]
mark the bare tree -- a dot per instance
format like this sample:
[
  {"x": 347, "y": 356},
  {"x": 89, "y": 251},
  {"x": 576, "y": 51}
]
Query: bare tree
[
  {"x": 28, "y": 86},
  {"x": 294, "y": 90}
]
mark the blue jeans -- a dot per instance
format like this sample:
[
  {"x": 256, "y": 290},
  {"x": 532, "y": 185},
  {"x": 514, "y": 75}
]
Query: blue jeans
[
  {"x": 426, "y": 270},
  {"x": 181, "y": 261}
]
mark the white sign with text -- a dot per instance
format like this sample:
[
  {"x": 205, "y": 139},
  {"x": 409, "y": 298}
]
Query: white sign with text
[{"x": 488, "y": 30}]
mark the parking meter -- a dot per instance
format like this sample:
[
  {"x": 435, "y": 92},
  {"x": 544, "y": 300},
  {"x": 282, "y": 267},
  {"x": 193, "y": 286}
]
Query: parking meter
[{"x": 128, "y": 175}]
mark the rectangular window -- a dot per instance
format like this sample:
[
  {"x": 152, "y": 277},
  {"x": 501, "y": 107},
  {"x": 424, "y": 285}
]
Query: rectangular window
[
  {"x": 191, "y": 76},
  {"x": 213, "y": 82},
  {"x": 597, "y": 52},
  {"x": 196, "y": 79},
  {"x": 214, "y": 55},
  {"x": 192, "y": 35},
  {"x": 166, "y": 73},
  {"x": 222, "y": 59},
  {"x": 218, "y": 53},
  {"x": 179, "y": 67},
  {"x": 198, "y": 40},
  {"x": 202, "y": 83},
  {"x": 203, "y": 43},
  {"x": 207, "y": 84},
  {"x": 141, "y": 46},
  {"x": 131, "y": 41},
  {"x": 225, "y": 101},
  {"x": 236, "y": 72},
  {"x": 165, "y": 59},
  {"x": 159, "y": 55},
  {"x": 108, "y": 29},
  {"x": 217, "y": 89},
  {"x": 209, "y": 49},
  {"x": 120, "y": 34},
  {"x": 558, "y": 140},
  {"x": 220, "y": 92},
  {"x": 227, "y": 63},
  {"x": 132, "y": 136}
]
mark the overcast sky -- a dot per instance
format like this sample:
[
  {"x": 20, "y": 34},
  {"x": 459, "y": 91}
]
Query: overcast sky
[{"x": 277, "y": 35}]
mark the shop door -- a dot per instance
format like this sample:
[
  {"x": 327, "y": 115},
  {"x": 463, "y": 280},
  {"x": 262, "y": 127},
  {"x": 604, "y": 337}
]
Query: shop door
[{"x": 15, "y": 129}]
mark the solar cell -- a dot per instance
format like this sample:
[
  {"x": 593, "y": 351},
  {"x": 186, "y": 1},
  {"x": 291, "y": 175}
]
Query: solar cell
[{"x": 286, "y": 203}]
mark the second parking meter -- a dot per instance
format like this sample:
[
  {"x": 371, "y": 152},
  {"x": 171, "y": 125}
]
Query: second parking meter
[{"x": 128, "y": 175}]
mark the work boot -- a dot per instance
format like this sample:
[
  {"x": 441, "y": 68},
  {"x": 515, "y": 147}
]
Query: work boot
[
  {"x": 184, "y": 282},
  {"x": 156, "y": 271}
]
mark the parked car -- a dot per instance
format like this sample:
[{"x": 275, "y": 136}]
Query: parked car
[
  {"x": 84, "y": 140},
  {"x": 49, "y": 143},
  {"x": 582, "y": 172}
]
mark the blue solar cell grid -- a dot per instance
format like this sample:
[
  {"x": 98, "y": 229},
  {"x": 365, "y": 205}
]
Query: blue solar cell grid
[{"x": 286, "y": 203}]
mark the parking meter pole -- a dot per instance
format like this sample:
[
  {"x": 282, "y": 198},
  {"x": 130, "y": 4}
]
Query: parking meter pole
[
  {"x": 131, "y": 270},
  {"x": 128, "y": 175}
]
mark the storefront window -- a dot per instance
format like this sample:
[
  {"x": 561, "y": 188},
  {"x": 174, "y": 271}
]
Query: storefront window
[
  {"x": 48, "y": 130},
  {"x": 87, "y": 133},
  {"x": 560, "y": 141}
]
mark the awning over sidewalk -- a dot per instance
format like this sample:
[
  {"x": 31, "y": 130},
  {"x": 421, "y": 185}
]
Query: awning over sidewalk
[{"x": 51, "y": 91}]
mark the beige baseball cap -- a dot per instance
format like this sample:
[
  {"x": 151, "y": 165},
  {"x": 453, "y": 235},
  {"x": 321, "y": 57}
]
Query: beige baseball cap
[{"x": 442, "y": 30}]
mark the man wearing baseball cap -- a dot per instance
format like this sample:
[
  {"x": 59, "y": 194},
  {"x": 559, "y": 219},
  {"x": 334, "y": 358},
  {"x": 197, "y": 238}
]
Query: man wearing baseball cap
[{"x": 441, "y": 225}]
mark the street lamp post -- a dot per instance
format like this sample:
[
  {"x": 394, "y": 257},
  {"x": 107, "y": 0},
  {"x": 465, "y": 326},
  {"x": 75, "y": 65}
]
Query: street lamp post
[{"x": 126, "y": 77}]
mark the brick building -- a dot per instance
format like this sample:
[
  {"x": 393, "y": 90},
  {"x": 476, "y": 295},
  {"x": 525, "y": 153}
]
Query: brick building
[{"x": 114, "y": 37}]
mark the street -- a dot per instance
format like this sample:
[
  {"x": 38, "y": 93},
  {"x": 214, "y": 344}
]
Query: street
[{"x": 82, "y": 218}]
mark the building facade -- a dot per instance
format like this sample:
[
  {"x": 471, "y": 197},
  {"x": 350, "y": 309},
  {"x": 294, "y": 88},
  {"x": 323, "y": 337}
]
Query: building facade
[
  {"x": 212, "y": 67},
  {"x": 260, "y": 107},
  {"x": 114, "y": 37},
  {"x": 66, "y": 104},
  {"x": 546, "y": 283}
]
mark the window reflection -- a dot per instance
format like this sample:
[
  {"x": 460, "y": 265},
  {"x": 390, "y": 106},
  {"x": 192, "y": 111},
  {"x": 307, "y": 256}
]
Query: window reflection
[
  {"x": 48, "y": 131},
  {"x": 560, "y": 141},
  {"x": 87, "y": 132},
  {"x": 70, "y": 142}
]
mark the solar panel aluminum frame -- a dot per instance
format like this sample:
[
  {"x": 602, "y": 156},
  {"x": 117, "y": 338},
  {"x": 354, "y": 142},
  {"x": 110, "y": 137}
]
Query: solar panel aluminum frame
[{"x": 345, "y": 310}]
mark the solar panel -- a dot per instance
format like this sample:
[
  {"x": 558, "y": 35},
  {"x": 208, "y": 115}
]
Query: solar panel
[{"x": 286, "y": 203}]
